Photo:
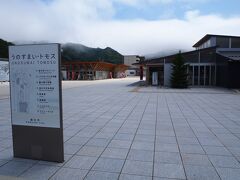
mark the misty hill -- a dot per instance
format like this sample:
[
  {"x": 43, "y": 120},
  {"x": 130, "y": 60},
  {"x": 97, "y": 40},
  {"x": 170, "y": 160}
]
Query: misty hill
[
  {"x": 165, "y": 53},
  {"x": 78, "y": 52},
  {"x": 83, "y": 53},
  {"x": 4, "y": 48}
]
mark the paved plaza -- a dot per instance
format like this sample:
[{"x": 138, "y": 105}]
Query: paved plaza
[{"x": 113, "y": 130}]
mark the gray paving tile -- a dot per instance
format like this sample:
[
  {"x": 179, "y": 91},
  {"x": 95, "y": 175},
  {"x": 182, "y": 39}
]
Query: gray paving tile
[
  {"x": 6, "y": 154},
  {"x": 77, "y": 140},
  {"x": 71, "y": 148},
  {"x": 97, "y": 175},
  {"x": 163, "y": 132},
  {"x": 40, "y": 172},
  {"x": 2, "y": 162},
  {"x": 69, "y": 173},
  {"x": 167, "y": 157},
  {"x": 216, "y": 150},
  {"x": 118, "y": 153},
  {"x": 98, "y": 142},
  {"x": 14, "y": 168},
  {"x": 184, "y": 133},
  {"x": 210, "y": 142},
  {"x": 81, "y": 162},
  {"x": 140, "y": 155},
  {"x": 158, "y": 178},
  {"x": 169, "y": 170},
  {"x": 101, "y": 135},
  {"x": 224, "y": 161},
  {"x": 134, "y": 177},
  {"x": 138, "y": 168},
  {"x": 143, "y": 145},
  {"x": 228, "y": 173},
  {"x": 108, "y": 164},
  {"x": 66, "y": 158},
  {"x": 146, "y": 131},
  {"x": 90, "y": 151},
  {"x": 120, "y": 144},
  {"x": 187, "y": 141},
  {"x": 25, "y": 160},
  {"x": 235, "y": 150},
  {"x": 196, "y": 159},
  {"x": 143, "y": 137},
  {"x": 127, "y": 130},
  {"x": 230, "y": 142},
  {"x": 166, "y": 147},
  {"x": 99, "y": 112},
  {"x": 166, "y": 139},
  {"x": 192, "y": 149},
  {"x": 127, "y": 137},
  {"x": 201, "y": 173}
]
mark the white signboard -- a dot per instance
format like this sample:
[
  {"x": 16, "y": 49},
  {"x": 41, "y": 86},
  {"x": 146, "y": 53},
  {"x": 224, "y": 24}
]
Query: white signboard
[
  {"x": 4, "y": 71},
  {"x": 34, "y": 82}
]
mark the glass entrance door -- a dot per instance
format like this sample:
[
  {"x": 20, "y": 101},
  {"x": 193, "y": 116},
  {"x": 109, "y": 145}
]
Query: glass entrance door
[
  {"x": 154, "y": 78},
  {"x": 203, "y": 75},
  {"x": 207, "y": 73}
]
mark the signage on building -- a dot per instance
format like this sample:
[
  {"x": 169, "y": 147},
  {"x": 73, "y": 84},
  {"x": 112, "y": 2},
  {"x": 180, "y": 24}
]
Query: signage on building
[{"x": 35, "y": 85}]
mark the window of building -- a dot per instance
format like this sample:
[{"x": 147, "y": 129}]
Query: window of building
[
  {"x": 222, "y": 42},
  {"x": 203, "y": 75},
  {"x": 195, "y": 75},
  {"x": 235, "y": 42}
]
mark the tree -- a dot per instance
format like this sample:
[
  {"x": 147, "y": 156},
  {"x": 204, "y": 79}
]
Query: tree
[
  {"x": 179, "y": 72},
  {"x": 4, "y": 48}
]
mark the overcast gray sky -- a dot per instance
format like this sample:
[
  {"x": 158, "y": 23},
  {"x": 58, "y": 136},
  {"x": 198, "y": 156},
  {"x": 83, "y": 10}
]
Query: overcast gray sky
[{"x": 129, "y": 26}]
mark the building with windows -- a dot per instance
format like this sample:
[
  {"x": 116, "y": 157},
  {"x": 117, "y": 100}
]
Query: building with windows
[
  {"x": 214, "y": 62},
  {"x": 130, "y": 60}
]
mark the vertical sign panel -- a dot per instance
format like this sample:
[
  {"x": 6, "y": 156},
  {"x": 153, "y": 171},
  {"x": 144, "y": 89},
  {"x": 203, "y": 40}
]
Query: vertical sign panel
[
  {"x": 35, "y": 85},
  {"x": 36, "y": 104}
]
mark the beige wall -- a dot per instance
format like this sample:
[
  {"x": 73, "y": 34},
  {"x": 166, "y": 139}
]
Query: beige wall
[{"x": 129, "y": 60}]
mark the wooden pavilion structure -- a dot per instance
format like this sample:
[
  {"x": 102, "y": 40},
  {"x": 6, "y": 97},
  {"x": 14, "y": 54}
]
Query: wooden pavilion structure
[{"x": 92, "y": 70}]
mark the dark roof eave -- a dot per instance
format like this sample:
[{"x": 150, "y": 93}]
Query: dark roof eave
[
  {"x": 229, "y": 58},
  {"x": 184, "y": 53},
  {"x": 204, "y": 39},
  {"x": 208, "y": 36}
]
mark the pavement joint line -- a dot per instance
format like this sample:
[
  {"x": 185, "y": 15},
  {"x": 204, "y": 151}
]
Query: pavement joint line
[
  {"x": 134, "y": 135},
  {"x": 215, "y": 133},
  {"x": 73, "y": 136},
  {"x": 91, "y": 138},
  {"x": 113, "y": 138},
  {"x": 155, "y": 137},
  {"x": 198, "y": 140},
  {"x": 220, "y": 122},
  {"x": 100, "y": 99},
  {"x": 201, "y": 116},
  {"x": 175, "y": 136}
]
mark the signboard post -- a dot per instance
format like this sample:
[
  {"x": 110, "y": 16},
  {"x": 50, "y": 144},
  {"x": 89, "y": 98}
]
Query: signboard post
[{"x": 36, "y": 101}]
